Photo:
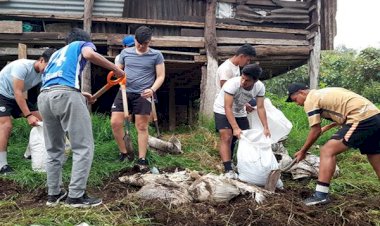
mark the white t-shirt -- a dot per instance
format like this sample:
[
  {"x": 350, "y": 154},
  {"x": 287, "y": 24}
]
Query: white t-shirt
[
  {"x": 241, "y": 96},
  {"x": 22, "y": 69},
  {"x": 226, "y": 71}
]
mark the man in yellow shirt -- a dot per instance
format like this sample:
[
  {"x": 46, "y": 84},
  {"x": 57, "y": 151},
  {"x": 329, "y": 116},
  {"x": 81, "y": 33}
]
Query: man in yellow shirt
[{"x": 360, "y": 121}]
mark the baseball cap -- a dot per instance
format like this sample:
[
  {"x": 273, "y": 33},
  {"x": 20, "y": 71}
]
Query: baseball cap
[
  {"x": 129, "y": 41},
  {"x": 295, "y": 87}
]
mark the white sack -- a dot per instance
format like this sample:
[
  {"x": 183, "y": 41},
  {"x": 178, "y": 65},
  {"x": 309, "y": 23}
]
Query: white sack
[
  {"x": 255, "y": 159},
  {"x": 279, "y": 125}
]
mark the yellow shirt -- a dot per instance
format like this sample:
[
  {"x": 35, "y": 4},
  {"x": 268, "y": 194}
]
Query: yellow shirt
[{"x": 339, "y": 105}]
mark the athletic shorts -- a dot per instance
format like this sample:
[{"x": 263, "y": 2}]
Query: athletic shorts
[
  {"x": 221, "y": 122},
  {"x": 364, "y": 135},
  {"x": 9, "y": 107},
  {"x": 137, "y": 104}
]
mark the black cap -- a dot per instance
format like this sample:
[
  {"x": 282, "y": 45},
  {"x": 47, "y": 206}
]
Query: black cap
[{"x": 295, "y": 87}]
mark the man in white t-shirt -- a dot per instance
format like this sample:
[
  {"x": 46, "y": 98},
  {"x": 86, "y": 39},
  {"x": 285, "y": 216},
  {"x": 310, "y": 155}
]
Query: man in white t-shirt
[
  {"x": 231, "y": 67},
  {"x": 231, "y": 106},
  {"x": 15, "y": 78}
]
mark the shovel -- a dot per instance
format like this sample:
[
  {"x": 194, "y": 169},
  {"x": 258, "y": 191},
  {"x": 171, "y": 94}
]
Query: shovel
[
  {"x": 155, "y": 117},
  {"x": 110, "y": 82},
  {"x": 274, "y": 176},
  {"x": 127, "y": 138}
]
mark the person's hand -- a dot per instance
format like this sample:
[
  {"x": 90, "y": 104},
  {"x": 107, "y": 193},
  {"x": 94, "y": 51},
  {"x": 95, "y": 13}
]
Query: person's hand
[
  {"x": 32, "y": 120},
  {"x": 147, "y": 93},
  {"x": 90, "y": 99},
  {"x": 237, "y": 132},
  {"x": 267, "y": 133},
  {"x": 249, "y": 108},
  {"x": 119, "y": 73},
  {"x": 300, "y": 155}
]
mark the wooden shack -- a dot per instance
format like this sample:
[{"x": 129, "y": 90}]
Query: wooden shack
[{"x": 194, "y": 36}]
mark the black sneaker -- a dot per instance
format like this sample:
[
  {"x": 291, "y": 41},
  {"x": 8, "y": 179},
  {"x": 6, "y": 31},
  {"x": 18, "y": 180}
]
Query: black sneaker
[
  {"x": 5, "y": 170},
  {"x": 143, "y": 166},
  {"x": 130, "y": 156},
  {"x": 315, "y": 200},
  {"x": 83, "y": 202},
  {"x": 54, "y": 200}
]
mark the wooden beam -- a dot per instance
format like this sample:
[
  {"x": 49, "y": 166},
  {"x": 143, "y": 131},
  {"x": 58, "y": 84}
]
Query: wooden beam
[
  {"x": 172, "y": 110},
  {"x": 12, "y": 27},
  {"x": 208, "y": 85},
  {"x": 22, "y": 54},
  {"x": 315, "y": 54},
  {"x": 171, "y": 23},
  {"x": 87, "y": 24},
  {"x": 5, "y": 51},
  {"x": 262, "y": 41}
]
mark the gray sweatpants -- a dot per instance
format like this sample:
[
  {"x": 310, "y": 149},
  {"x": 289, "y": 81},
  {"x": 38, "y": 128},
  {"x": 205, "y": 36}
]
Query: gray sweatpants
[{"x": 64, "y": 111}]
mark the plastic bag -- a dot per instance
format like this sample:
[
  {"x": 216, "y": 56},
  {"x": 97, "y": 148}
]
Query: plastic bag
[
  {"x": 279, "y": 125},
  {"x": 37, "y": 150},
  {"x": 255, "y": 159}
]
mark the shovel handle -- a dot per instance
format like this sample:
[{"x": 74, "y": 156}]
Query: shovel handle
[
  {"x": 110, "y": 82},
  {"x": 155, "y": 117},
  {"x": 125, "y": 100}
]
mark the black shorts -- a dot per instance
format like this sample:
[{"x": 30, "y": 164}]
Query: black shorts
[
  {"x": 137, "y": 105},
  {"x": 9, "y": 107},
  {"x": 364, "y": 135},
  {"x": 221, "y": 122}
]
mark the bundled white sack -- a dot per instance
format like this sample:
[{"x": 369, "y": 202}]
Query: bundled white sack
[
  {"x": 279, "y": 125},
  {"x": 37, "y": 150},
  {"x": 255, "y": 159}
]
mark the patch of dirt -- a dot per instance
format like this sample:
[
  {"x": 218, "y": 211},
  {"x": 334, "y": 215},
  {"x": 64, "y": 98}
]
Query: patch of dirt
[{"x": 284, "y": 207}]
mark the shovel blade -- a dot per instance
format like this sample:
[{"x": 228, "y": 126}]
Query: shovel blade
[
  {"x": 272, "y": 179},
  {"x": 129, "y": 146}
]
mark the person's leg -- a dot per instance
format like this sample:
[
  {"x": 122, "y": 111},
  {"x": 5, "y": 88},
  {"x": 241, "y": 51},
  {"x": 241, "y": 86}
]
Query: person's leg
[
  {"x": 142, "y": 132},
  {"x": 54, "y": 143},
  {"x": 5, "y": 131},
  {"x": 327, "y": 165},
  {"x": 374, "y": 159},
  {"x": 76, "y": 120},
  {"x": 117, "y": 124},
  {"x": 225, "y": 148}
]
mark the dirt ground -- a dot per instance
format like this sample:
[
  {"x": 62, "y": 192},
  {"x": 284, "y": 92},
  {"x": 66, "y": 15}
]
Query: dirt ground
[{"x": 283, "y": 208}]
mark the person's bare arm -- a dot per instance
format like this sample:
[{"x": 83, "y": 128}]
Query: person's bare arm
[
  {"x": 160, "y": 77},
  {"x": 95, "y": 58},
  {"x": 262, "y": 115},
  {"x": 328, "y": 127},
  {"x": 18, "y": 87},
  {"x": 228, "y": 102},
  {"x": 222, "y": 82},
  {"x": 314, "y": 133}
]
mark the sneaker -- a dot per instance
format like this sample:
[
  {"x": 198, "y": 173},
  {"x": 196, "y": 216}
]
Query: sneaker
[
  {"x": 5, "y": 170},
  {"x": 315, "y": 200},
  {"x": 231, "y": 174},
  {"x": 143, "y": 166},
  {"x": 83, "y": 202},
  {"x": 130, "y": 156},
  {"x": 54, "y": 200}
]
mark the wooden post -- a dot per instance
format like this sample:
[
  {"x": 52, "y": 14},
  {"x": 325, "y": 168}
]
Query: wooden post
[
  {"x": 190, "y": 112},
  {"x": 315, "y": 54},
  {"x": 87, "y": 23},
  {"x": 172, "y": 111},
  {"x": 22, "y": 54},
  {"x": 208, "y": 84}
]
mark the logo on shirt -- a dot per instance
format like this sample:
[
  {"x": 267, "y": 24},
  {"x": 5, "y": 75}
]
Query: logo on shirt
[{"x": 3, "y": 109}]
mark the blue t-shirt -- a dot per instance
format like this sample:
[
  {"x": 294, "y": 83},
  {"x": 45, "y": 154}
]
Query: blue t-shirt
[
  {"x": 66, "y": 65},
  {"x": 22, "y": 69},
  {"x": 140, "y": 69}
]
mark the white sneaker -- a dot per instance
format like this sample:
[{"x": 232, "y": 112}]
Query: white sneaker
[{"x": 231, "y": 174}]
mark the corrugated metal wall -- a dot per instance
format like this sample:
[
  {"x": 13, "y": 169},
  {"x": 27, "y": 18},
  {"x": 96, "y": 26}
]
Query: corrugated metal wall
[
  {"x": 185, "y": 10},
  {"x": 106, "y": 8}
]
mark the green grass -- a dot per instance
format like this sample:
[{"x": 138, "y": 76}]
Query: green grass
[{"x": 200, "y": 146}]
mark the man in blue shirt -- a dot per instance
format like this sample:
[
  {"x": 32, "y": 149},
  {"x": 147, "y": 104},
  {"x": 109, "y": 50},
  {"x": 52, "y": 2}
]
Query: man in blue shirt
[
  {"x": 64, "y": 110},
  {"x": 15, "y": 78}
]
